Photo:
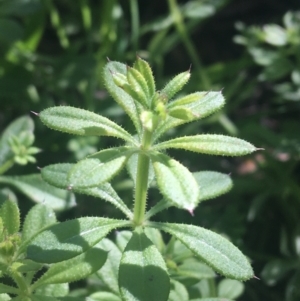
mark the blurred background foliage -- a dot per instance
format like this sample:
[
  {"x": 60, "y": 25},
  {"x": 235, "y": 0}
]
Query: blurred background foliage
[{"x": 53, "y": 52}]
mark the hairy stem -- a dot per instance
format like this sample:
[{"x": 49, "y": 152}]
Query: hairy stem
[{"x": 142, "y": 180}]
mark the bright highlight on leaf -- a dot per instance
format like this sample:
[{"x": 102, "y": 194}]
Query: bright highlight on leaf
[
  {"x": 175, "y": 182},
  {"x": 210, "y": 144},
  {"x": 81, "y": 122}
]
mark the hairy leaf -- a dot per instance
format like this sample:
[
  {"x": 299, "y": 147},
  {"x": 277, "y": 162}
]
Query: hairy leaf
[
  {"x": 119, "y": 95},
  {"x": 207, "y": 103},
  {"x": 57, "y": 175},
  {"x": 37, "y": 218},
  {"x": 74, "y": 269},
  {"x": 212, "y": 184},
  {"x": 39, "y": 191},
  {"x": 10, "y": 215},
  {"x": 212, "y": 248},
  {"x": 175, "y": 182},
  {"x": 71, "y": 238},
  {"x": 81, "y": 122},
  {"x": 98, "y": 168},
  {"x": 210, "y": 144}
]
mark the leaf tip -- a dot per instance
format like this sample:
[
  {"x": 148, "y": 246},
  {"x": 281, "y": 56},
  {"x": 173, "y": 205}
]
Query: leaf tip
[
  {"x": 108, "y": 59},
  {"x": 256, "y": 277},
  {"x": 34, "y": 113}
]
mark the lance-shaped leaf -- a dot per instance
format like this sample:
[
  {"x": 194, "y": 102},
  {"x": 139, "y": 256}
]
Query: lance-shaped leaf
[
  {"x": 119, "y": 95},
  {"x": 210, "y": 144},
  {"x": 74, "y": 269},
  {"x": 37, "y": 218},
  {"x": 201, "y": 104},
  {"x": 178, "y": 292},
  {"x": 98, "y": 168},
  {"x": 212, "y": 299},
  {"x": 192, "y": 268},
  {"x": 7, "y": 289},
  {"x": 176, "y": 84},
  {"x": 212, "y": 184},
  {"x": 138, "y": 84},
  {"x": 81, "y": 122},
  {"x": 144, "y": 68},
  {"x": 39, "y": 191},
  {"x": 109, "y": 272},
  {"x": 175, "y": 182},
  {"x": 10, "y": 215},
  {"x": 215, "y": 250},
  {"x": 57, "y": 175},
  {"x": 143, "y": 274},
  {"x": 71, "y": 238}
]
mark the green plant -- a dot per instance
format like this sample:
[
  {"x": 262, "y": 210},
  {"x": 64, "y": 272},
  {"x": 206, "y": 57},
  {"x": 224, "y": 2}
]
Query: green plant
[
  {"x": 16, "y": 149},
  {"x": 142, "y": 272}
]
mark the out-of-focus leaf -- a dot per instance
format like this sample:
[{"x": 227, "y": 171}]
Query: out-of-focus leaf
[
  {"x": 39, "y": 191},
  {"x": 230, "y": 288}
]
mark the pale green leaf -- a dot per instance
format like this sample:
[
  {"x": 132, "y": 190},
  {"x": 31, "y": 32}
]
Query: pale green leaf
[
  {"x": 211, "y": 299},
  {"x": 7, "y": 289},
  {"x": 39, "y": 191},
  {"x": 37, "y": 218},
  {"x": 210, "y": 144},
  {"x": 119, "y": 95},
  {"x": 175, "y": 84},
  {"x": 132, "y": 169},
  {"x": 212, "y": 184},
  {"x": 192, "y": 268},
  {"x": 230, "y": 288},
  {"x": 98, "y": 168},
  {"x": 122, "y": 238},
  {"x": 178, "y": 292},
  {"x": 207, "y": 103},
  {"x": 211, "y": 248},
  {"x": 103, "y": 296},
  {"x": 144, "y": 68},
  {"x": 14, "y": 129},
  {"x": 81, "y": 122},
  {"x": 175, "y": 182},
  {"x": 56, "y": 175},
  {"x": 58, "y": 290},
  {"x": 74, "y": 269},
  {"x": 10, "y": 215},
  {"x": 143, "y": 274},
  {"x": 109, "y": 272},
  {"x": 71, "y": 238}
]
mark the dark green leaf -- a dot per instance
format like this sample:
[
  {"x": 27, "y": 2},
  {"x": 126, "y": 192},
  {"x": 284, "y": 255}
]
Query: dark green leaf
[
  {"x": 71, "y": 238},
  {"x": 143, "y": 274}
]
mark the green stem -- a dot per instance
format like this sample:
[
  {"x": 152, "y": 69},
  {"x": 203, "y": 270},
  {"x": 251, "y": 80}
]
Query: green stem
[
  {"x": 142, "y": 180},
  {"x": 134, "y": 24},
  {"x": 181, "y": 29}
]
